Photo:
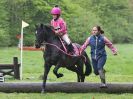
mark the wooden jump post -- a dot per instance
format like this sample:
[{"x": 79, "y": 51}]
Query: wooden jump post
[
  {"x": 67, "y": 87},
  {"x": 11, "y": 69}
]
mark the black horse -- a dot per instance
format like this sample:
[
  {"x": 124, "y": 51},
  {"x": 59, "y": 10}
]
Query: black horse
[{"x": 53, "y": 56}]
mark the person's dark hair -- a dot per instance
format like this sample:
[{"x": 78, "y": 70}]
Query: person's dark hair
[
  {"x": 56, "y": 6},
  {"x": 99, "y": 29}
]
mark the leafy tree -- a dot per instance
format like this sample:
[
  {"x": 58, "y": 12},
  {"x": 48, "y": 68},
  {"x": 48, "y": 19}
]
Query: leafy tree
[{"x": 114, "y": 16}]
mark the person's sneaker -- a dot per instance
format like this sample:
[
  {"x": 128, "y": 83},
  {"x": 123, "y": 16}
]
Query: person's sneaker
[{"x": 103, "y": 85}]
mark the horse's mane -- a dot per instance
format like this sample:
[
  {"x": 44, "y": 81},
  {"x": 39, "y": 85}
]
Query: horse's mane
[
  {"x": 49, "y": 31},
  {"x": 48, "y": 27}
]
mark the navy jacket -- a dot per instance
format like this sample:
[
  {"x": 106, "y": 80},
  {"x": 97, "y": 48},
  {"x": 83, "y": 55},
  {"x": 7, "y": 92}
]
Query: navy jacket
[{"x": 97, "y": 44}]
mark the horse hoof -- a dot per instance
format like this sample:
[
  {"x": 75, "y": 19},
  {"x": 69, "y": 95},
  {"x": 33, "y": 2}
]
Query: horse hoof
[{"x": 60, "y": 75}]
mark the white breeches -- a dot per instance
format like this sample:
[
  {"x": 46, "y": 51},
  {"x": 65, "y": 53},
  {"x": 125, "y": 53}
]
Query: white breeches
[{"x": 66, "y": 38}]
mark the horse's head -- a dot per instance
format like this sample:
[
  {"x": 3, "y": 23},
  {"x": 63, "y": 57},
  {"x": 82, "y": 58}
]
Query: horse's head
[
  {"x": 43, "y": 33},
  {"x": 39, "y": 34}
]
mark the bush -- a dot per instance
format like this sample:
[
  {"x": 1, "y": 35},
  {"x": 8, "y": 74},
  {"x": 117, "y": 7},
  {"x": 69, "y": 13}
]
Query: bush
[
  {"x": 4, "y": 38},
  {"x": 29, "y": 40}
]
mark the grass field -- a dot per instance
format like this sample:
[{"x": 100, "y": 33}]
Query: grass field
[{"x": 119, "y": 69}]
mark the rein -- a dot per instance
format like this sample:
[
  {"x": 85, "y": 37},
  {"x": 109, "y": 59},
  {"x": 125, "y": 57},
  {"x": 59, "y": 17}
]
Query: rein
[{"x": 46, "y": 43}]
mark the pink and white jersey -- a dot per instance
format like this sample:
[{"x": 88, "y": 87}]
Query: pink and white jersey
[{"x": 59, "y": 25}]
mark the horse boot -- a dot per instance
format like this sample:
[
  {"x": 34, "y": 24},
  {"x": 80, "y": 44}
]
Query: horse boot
[
  {"x": 102, "y": 77},
  {"x": 71, "y": 49}
]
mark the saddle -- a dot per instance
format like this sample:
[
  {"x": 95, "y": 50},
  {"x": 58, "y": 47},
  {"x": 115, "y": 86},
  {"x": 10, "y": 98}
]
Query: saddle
[{"x": 65, "y": 48}]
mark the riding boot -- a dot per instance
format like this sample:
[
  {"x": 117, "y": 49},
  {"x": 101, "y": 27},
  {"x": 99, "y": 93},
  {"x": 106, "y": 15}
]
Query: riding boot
[
  {"x": 71, "y": 48},
  {"x": 102, "y": 77}
]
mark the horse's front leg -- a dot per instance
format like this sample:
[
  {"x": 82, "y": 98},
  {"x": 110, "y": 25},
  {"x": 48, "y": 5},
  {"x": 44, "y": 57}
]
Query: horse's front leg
[
  {"x": 46, "y": 71},
  {"x": 55, "y": 71}
]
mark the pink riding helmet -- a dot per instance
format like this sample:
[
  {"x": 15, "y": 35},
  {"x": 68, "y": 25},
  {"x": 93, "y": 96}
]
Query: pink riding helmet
[{"x": 56, "y": 10}]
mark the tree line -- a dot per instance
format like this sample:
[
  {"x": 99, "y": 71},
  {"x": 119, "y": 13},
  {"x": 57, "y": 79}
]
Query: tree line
[{"x": 114, "y": 16}]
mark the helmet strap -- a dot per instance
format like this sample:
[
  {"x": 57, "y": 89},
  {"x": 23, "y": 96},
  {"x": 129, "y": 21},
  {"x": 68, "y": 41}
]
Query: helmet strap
[{"x": 58, "y": 15}]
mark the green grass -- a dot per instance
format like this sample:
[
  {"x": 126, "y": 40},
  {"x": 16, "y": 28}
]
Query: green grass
[
  {"x": 119, "y": 69},
  {"x": 65, "y": 96}
]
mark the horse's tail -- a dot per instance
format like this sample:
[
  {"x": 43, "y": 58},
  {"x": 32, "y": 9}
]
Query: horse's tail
[{"x": 87, "y": 64}]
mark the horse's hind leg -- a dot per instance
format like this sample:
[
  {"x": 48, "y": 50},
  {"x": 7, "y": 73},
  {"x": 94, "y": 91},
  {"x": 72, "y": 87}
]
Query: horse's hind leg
[
  {"x": 80, "y": 68},
  {"x": 55, "y": 71},
  {"x": 46, "y": 71},
  {"x": 74, "y": 69}
]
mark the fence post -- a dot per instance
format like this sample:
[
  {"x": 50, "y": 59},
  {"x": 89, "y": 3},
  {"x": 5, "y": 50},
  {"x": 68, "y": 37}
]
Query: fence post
[{"x": 16, "y": 68}]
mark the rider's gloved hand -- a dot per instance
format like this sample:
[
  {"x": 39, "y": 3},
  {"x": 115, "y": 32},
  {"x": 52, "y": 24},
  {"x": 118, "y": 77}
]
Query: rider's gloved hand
[{"x": 58, "y": 33}]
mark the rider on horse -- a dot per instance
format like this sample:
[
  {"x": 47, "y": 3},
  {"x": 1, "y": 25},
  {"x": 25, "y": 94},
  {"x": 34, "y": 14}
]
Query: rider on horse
[{"x": 60, "y": 27}]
